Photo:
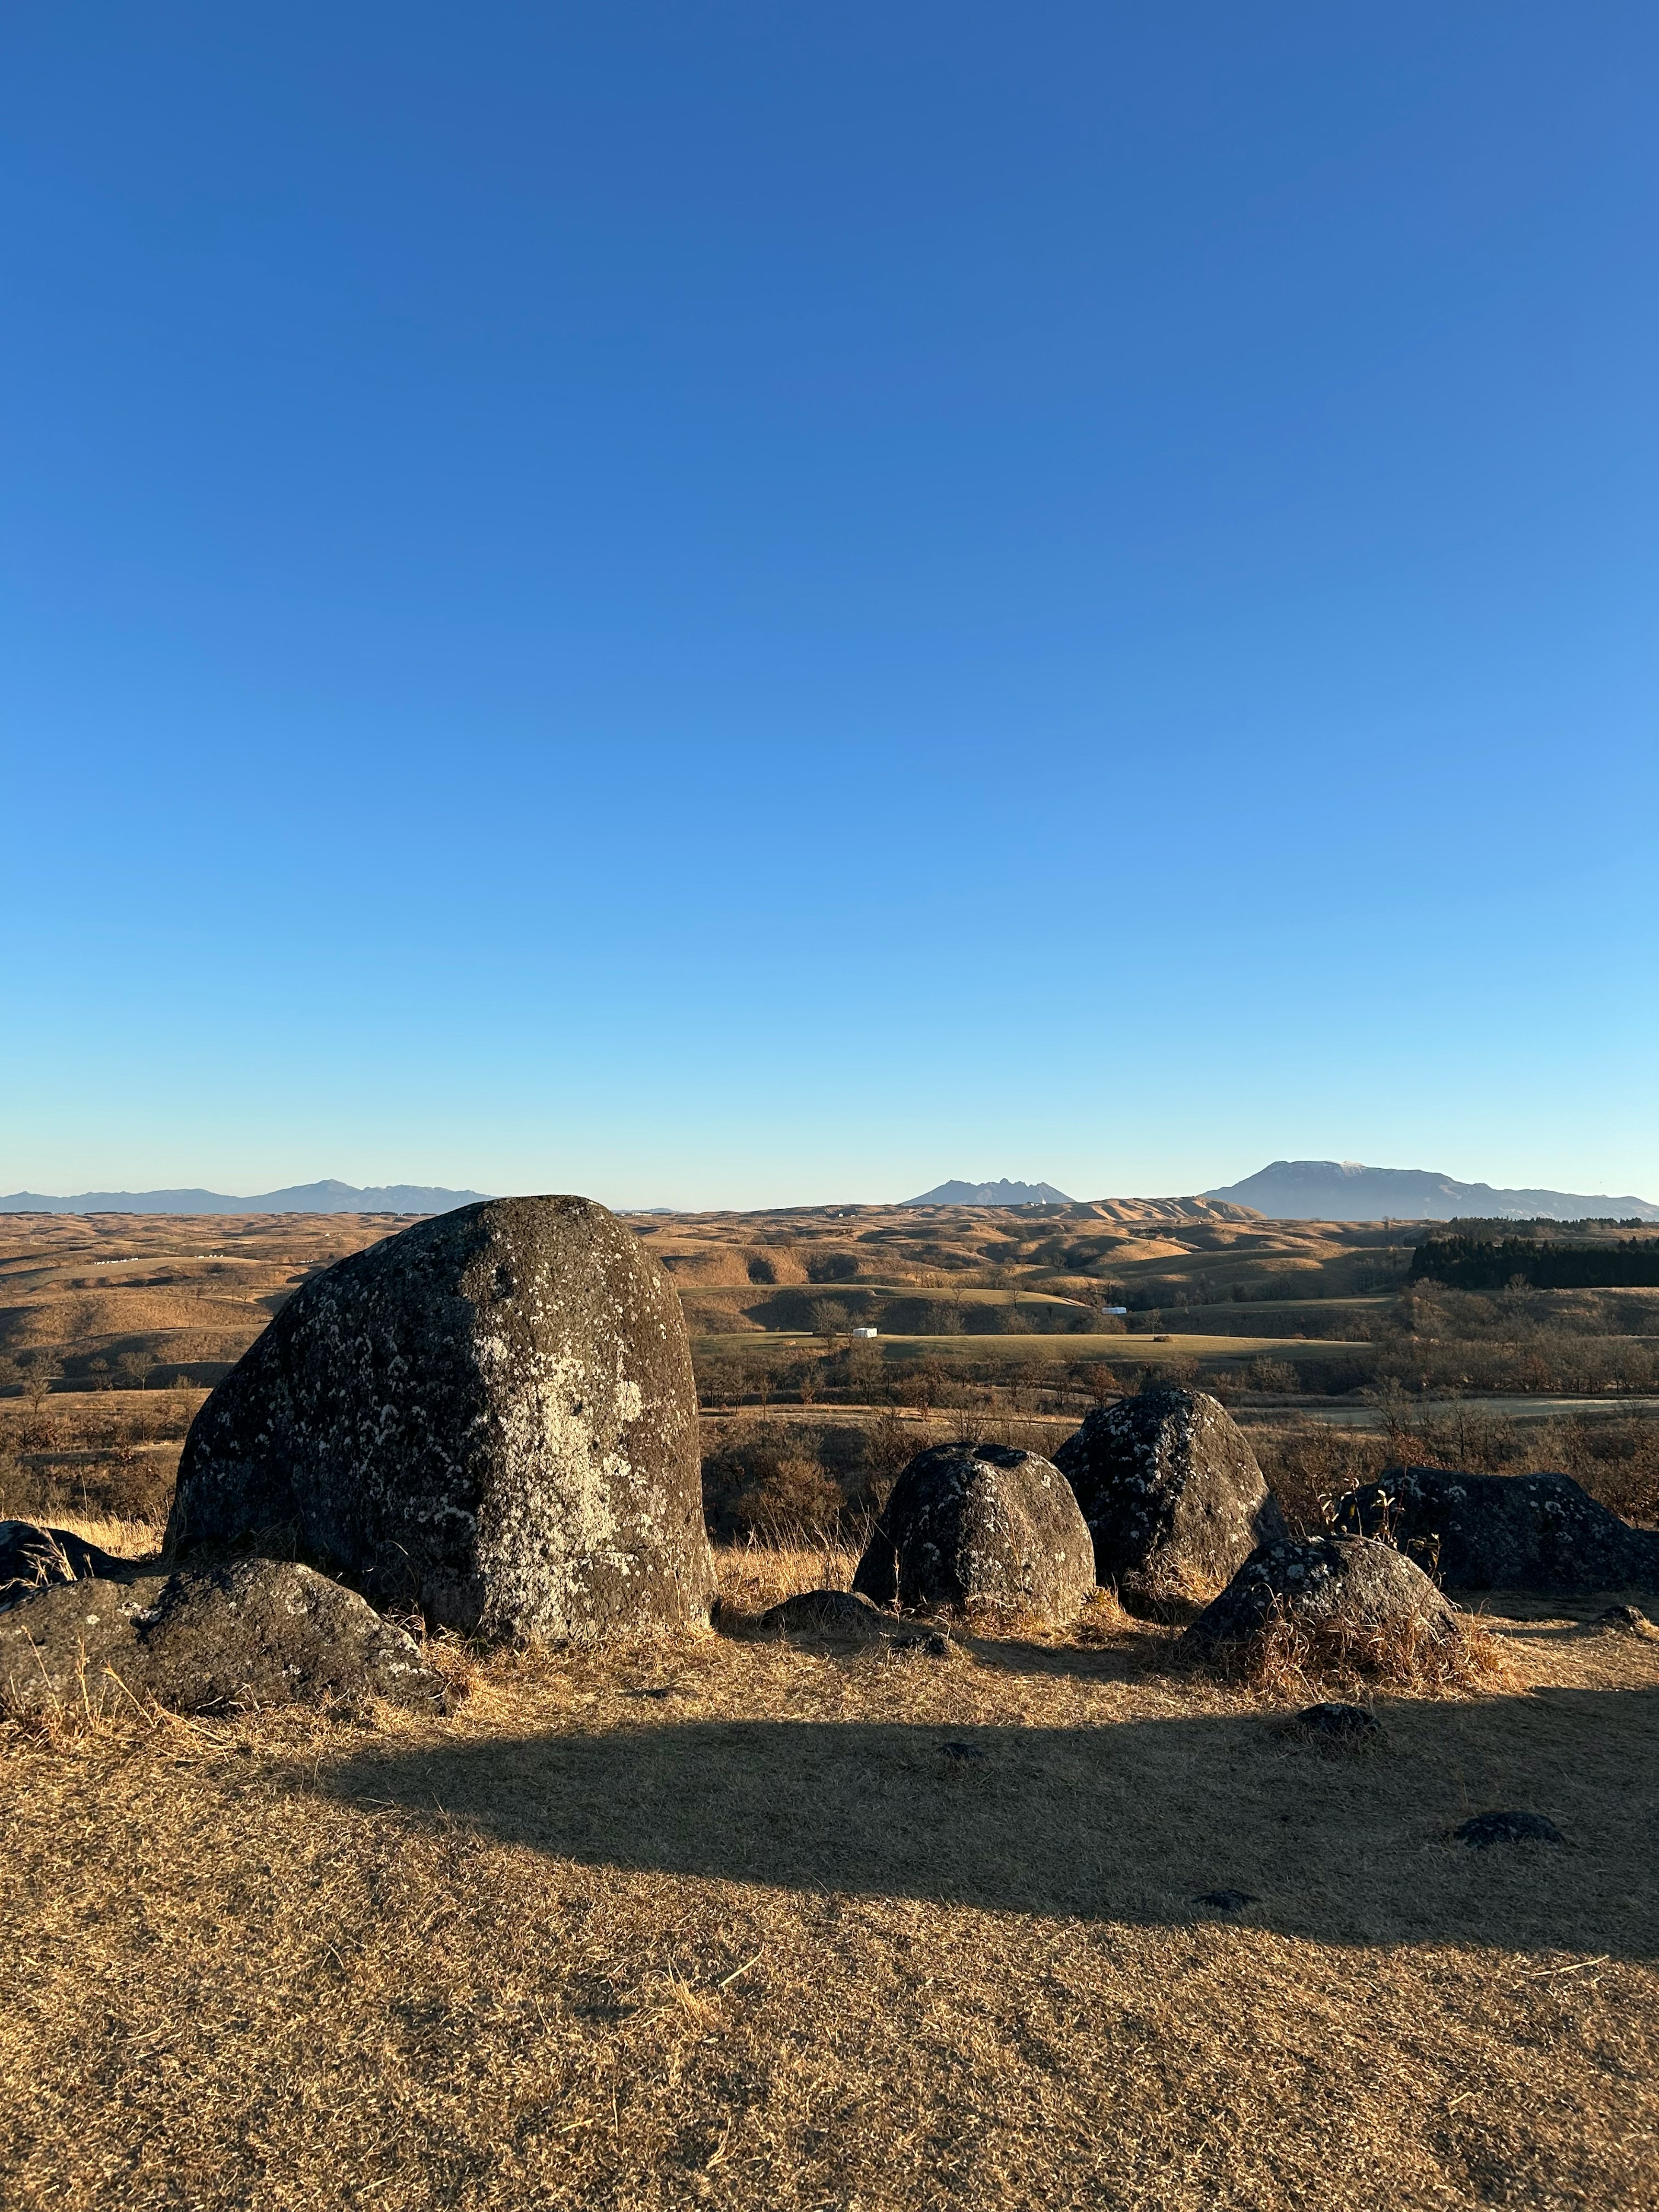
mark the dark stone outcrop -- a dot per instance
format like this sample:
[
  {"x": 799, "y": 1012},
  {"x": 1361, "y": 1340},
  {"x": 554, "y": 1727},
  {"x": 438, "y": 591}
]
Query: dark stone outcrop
[
  {"x": 980, "y": 1524},
  {"x": 490, "y": 1417},
  {"x": 1171, "y": 1492},
  {"x": 255, "y": 1632},
  {"x": 1348, "y": 1580},
  {"x": 1530, "y": 1532},
  {"x": 33, "y": 1558}
]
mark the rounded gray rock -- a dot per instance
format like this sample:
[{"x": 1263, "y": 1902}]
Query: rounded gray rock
[
  {"x": 490, "y": 1418},
  {"x": 1351, "y": 1579},
  {"x": 981, "y": 1525},
  {"x": 1171, "y": 1492}
]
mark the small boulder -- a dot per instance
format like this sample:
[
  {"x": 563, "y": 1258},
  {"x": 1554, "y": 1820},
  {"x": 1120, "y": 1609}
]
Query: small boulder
[
  {"x": 490, "y": 1418},
  {"x": 1345, "y": 1583},
  {"x": 1338, "y": 1726},
  {"x": 270, "y": 1631},
  {"x": 934, "y": 1643},
  {"x": 1528, "y": 1532},
  {"x": 822, "y": 1610},
  {"x": 33, "y": 1558},
  {"x": 972, "y": 1524},
  {"x": 1171, "y": 1492},
  {"x": 1489, "y": 1828},
  {"x": 258, "y": 1632},
  {"x": 1623, "y": 1620}
]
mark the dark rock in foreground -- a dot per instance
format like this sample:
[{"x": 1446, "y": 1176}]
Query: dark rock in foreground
[
  {"x": 490, "y": 1418},
  {"x": 1171, "y": 1492},
  {"x": 981, "y": 1525},
  {"x": 1531, "y": 1532},
  {"x": 1347, "y": 1581},
  {"x": 1489, "y": 1828},
  {"x": 258, "y": 1632},
  {"x": 33, "y": 1558}
]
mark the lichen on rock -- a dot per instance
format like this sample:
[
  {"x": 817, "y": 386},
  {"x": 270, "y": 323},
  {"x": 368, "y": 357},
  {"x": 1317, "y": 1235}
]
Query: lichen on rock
[
  {"x": 1171, "y": 1492},
  {"x": 490, "y": 1418}
]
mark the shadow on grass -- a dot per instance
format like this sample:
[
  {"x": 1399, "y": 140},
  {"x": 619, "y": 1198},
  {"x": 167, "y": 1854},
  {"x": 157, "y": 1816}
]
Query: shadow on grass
[{"x": 1129, "y": 1822}]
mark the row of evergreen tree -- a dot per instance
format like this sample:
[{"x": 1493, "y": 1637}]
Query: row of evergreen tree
[{"x": 1478, "y": 1263}]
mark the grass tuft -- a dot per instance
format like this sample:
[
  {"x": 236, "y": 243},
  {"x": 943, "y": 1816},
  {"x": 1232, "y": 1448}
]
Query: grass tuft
[{"x": 1291, "y": 1660}]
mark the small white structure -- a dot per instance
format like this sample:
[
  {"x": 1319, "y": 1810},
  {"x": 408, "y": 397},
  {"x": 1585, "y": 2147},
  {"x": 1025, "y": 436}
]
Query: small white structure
[{"x": 866, "y": 1332}]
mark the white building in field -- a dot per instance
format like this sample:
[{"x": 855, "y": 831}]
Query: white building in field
[{"x": 866, "y": 1332}]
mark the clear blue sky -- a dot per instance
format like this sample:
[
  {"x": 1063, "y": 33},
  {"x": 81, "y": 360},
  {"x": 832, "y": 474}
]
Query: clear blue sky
[{"x": 731, "y": 604}]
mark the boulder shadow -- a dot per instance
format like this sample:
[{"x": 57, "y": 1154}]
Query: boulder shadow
[{"x": 1132, "y": 1821}]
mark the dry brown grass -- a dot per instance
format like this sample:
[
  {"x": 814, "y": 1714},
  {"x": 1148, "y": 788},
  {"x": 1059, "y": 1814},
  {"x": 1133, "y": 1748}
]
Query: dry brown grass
[
  {"x": 732, "y": 1920},
  {"x": 1296, "y": 1662}
]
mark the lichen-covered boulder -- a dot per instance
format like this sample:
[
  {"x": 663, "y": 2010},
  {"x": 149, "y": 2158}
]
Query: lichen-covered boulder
[
  {"x": 1528, "y": 1532},
  {"x": 972, "y": 1524},
  {"x": 31, "y": 1557},
  {"x": 253, "y": 1633},
  {"x": 490, "y": 1417},
  {"x": 1349, "y": 1582},
  {"x": 1171, "y": 1492}
]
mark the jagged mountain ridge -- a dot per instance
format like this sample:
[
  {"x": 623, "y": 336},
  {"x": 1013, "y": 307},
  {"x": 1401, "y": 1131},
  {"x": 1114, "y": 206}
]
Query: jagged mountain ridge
[
  {"x": 326, "y": 1197},
  {"x": 1346, "y": 1190},
  {"x": 990, "y": 1194}
]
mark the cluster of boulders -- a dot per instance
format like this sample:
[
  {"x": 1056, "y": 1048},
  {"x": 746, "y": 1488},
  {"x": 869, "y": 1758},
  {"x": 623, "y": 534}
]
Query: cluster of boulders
[
  {"x": 488, "y": 1424},
  {"x": 1178, "y": 1517}
]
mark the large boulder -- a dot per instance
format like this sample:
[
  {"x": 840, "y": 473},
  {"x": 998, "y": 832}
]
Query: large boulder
[
  {"x": 253, "y": 1633},
  {"x": 1530, "y": 1532},
  {"x": 1171, "y": 1492},
  {"x": 33, "y": 1558},
  {"x": 490, "y": 1417},
  {"x": 972, "y": 1524},
  {"x": 1349, "y": 1584}
]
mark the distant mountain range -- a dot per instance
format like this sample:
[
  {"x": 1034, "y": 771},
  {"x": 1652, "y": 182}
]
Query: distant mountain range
[
  {"x": 303, "y": 1198},
  {"x": 990, "y": 1194},
  {"x": 1343, "y": 1190}
]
